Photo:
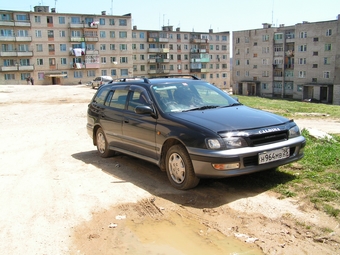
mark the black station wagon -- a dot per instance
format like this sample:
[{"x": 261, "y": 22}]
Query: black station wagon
[{"x": 190, "y": 129}]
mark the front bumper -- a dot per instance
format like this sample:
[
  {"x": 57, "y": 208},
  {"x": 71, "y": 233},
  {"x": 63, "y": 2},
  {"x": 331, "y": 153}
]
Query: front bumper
[{"x": 247, "y": 158}]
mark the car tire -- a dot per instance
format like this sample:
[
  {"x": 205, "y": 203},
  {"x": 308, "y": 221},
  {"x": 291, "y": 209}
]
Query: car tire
[
  {"x": 102, "y": 144},
  {"x": 179, "y": 168}
]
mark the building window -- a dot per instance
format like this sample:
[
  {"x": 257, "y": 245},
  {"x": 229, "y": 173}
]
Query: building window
[
  {"x": 303, "y": 34},
  {"x": 39, "y": 47},
  {"x": 113, "y": 59},
  {"x": 134, "y": 47},
  {"x": 122, "y": 22},
  {"x": 302, "y": 47},
  {"x": 265, "y": 38},
  {"x": 329, "y": 32},
  {"x": 62, "y": 33},
  {"x": 255, "y": 66},
  {"x": 40, "y": 62},
  {"x": 61, "y": 20},
  {"x": 278, "y": 36},
  {"x": 264, "y": 86},
  {"x": 112, "y": 34},
  {"x": 38, "y": 33},
  {"x": 124, "y": 72},
  {"x": 326, "y": 61},
  {"x": 63, "y": 47},
  {"x": 49, "y": 19},
  {"x": 123, "y": 47},
  {"x": 237, "y": 62},
  {"x": 102, "y": 21},
  {"x": 123, "y": 59},
  {"x": 224, "y": 38},
  {"x": 103, "y": 60},
  {"x": 112, "y": 46},
  {"x": 37, "y": 19},
  {"x": 51, "y": 61},
  {"x": 315, "y": 39},
  {"x": 326, "y": 75},
  {"x": 142, "y": 68},
  {"x": 328, "y": 47},
  {"x": 103, "y": 47},
  {"x": 102, "y": 34},
  {"x": 315, "y": 53},
  {"x": 265, "y": 73},
  {"x": 122, "y": 34},
  {"x": 22, "y": 17},
  {"x": 255, "y": 55},
  {"x": 63, "y": 61},
  {"x": 78, "y": 74},
  {"x": 302, "y": 74},
  {"x": 315, "y": 65},
  {"x": 111, "y": 22},
  {"x": 51, "y": 48},
  {"x": 142, "y": 57},
  {"x": 113, "y": 72},
  {"x": 314, "y": 79},
  {"x": 237, "y": 40},
  {"x": 141, "y": 35},
  {"x": 141, "y": 46},
  {"x": 302, "y": 61},
  {"x": 9, "y": 76}
]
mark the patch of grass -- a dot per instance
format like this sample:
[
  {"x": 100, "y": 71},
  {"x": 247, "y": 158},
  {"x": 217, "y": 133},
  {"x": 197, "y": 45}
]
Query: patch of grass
[
  {"x": 291, "y": 108},
  {"x": 317, "y": 176}
]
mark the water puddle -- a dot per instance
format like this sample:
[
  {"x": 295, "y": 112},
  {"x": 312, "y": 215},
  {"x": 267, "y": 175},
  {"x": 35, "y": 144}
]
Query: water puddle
[{"x": 143, "y": 230}]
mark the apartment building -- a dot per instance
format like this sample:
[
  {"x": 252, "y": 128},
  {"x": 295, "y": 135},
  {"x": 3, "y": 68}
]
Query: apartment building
[
  {"x": 66, "y": 48},
  {"x": 300, "y": 61}
]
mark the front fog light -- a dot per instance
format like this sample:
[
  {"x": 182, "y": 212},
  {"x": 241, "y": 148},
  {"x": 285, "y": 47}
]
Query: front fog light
[{"x": 226, "y": 166}]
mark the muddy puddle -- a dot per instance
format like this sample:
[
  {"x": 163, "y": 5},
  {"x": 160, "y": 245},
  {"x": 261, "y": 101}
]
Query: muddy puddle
[{"x": 144, "y": 229}]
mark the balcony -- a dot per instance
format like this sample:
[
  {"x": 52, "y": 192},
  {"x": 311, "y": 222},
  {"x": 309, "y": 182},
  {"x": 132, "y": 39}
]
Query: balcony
[
  {"x": 17, "y": 68},
  {"x": 15, "y": 23},
  {"x": 92, "y": 52},
  {"x": 77, "y": 39},
  {"x": 161, "y": 40},
  {"x": 199, "y": 70},
  {"x": 16, "y": 53},
  {"x": 159, "y": 71},
  {"x": 158, "y": 50},
  {"x": 91, "y": 39},
  {"x": 78, "y": 25},
  {"x": 194, "y": 40},
  {"x": 92, "y": 65}
]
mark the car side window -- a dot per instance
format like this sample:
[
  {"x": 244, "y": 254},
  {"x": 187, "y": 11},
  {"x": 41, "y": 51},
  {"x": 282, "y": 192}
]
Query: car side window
[
  {"x": 100, "y": 97},
  {"x": 137, "y": 98},
  {"x": 118, "y": 99}
]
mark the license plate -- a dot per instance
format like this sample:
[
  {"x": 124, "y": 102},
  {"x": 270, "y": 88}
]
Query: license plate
[{"x": 274, "y": 155}]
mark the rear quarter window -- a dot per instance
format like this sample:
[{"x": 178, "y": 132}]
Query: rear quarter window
[{"x": 101, "y": 96}]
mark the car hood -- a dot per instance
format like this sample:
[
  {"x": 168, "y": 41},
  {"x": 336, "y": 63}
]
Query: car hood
[{"x": 231, "y": 118}]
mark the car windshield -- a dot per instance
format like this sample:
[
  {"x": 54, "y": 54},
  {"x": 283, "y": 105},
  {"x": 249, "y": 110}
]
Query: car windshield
[{"x": 190, "y": 96}]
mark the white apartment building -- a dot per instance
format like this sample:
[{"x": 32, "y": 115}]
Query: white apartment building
[
  {"x": 299, "y": 62},
  {"x": 66, "y": 48}
]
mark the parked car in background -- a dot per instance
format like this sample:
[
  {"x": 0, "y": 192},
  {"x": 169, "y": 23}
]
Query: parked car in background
[
  {"x": 190, "y": 129},
  {"x": 100, "y": 80}
]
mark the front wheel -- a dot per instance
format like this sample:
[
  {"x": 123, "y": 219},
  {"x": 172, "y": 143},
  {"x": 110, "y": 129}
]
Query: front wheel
[
  {"x": 179, "y": 168},
  {"x": 102, "y": 145}
]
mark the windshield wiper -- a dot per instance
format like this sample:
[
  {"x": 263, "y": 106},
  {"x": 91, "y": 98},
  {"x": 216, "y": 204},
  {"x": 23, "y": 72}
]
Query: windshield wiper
[
  {"x": 202, "y": 108},
  {"x": 233, "y": 104}
]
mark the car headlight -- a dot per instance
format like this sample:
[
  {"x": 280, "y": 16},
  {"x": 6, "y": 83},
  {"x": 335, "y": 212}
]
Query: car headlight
[
  {"x": 235, "y": 142},
  {"x": 214, "y": 144},
  {"x": 294, "y": 132}
]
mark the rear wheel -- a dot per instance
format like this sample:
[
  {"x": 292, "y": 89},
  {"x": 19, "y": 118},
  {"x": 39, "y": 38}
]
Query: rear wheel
[
  {"x": 102, "y": 145},
  {"x": 179, "y": 168}
]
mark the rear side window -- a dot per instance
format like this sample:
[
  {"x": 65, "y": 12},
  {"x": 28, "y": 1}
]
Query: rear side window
[
  {"x": 118, "y": 99},
  {"x": 100, "y": 97}
]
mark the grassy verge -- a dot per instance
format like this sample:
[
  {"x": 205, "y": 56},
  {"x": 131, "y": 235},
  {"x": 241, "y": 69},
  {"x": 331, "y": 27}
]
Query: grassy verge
[
  {"x": 315, "y": 178},
  {"x": 292, "y": 109}
]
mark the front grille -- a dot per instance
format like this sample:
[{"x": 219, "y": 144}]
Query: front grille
[
  {"x": 262, "y": 139},
  {"x": 254, "y": 160}
]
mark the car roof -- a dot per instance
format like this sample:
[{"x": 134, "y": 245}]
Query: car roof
[{"x": 147, "y": 82}]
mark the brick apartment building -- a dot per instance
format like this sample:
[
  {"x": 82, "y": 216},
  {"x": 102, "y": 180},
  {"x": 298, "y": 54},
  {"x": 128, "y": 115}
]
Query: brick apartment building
[
  {"x": 300, "y": 61},
  {"x": 65, "y": 48}
]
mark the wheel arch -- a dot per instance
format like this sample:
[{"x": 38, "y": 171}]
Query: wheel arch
[{"x": 166, "y": 146}]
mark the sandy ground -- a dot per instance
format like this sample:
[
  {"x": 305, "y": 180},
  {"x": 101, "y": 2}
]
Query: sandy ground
[{"x": 59, "y": 197}]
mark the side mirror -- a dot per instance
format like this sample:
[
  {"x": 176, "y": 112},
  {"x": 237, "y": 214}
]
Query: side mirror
[{"x": 144, "y": 109}]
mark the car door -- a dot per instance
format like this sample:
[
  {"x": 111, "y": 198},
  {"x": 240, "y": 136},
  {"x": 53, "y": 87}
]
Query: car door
[
  {"x": 112, "y": 116},
  {"x": 139, "y": 130}
]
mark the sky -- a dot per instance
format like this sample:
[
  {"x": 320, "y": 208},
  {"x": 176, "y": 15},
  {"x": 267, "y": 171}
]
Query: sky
[{"x": 199, "y": 15}]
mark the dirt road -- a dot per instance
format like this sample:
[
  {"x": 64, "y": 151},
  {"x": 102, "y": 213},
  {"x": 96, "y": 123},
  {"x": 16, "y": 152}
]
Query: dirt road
[{"x": 59, "y": 197}]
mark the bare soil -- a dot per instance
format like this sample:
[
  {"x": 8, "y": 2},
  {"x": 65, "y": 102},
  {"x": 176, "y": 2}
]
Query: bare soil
[{"x": 59, "y": 197}]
